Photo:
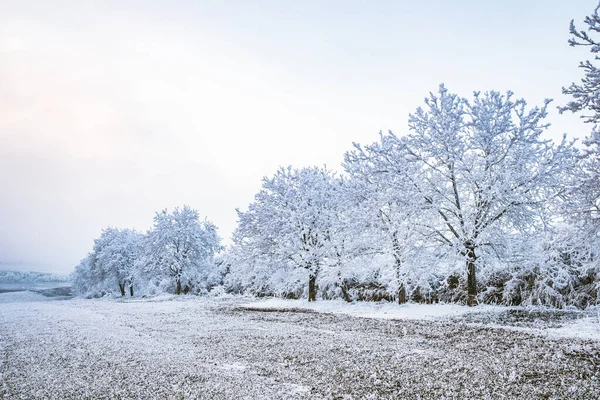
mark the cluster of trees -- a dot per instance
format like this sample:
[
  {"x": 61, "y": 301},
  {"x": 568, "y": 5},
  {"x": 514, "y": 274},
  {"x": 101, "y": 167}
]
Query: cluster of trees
[
  {"x": 473, "y": 188},
  {"x": 473, "y": 204},
  {"x": 176, "y": 255}
]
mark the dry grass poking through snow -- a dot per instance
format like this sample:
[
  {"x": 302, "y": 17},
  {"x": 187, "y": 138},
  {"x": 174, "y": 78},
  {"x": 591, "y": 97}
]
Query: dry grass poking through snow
[{"x": 204, "y": 348}]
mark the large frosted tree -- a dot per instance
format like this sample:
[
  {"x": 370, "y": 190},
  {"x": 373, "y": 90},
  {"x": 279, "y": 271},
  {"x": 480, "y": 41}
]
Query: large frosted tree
[
  {"x": 110, "y": 264},
  {"x": 482, "y": 166},
  {"x": 289, "y": 224},
  {"x": 387, "y": 214},
  {"x": 181, "y": 247},
  {"x": 115, "y": 254},
  {"x": 583, "y": 205},
  {"x": 586, "y": 94}
]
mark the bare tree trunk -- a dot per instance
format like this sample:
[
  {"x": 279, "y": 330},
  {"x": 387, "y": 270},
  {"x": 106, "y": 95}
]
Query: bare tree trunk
[
  {"x": 312, "y": 287},
  {"x": 131, "y": 290},
  {"x": 345, "y": 294},
  {"x": 122, "y": 288},
  {"x": 342, "y": 283},
  {"x": 471, "y": 279},
  {"x": 398, "y": 258},
  {"x": 178, "y": 290},
  {"x": 402, "y": 294}
]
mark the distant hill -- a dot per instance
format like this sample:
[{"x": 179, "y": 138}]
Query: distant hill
[{"x": 30, "y": 276}]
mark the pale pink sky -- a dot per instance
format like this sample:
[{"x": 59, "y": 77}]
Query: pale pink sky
[{"x": 112, "y": 110}]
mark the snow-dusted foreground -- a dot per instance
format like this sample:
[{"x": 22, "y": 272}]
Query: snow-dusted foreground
[{"x": 208, "y": 348}]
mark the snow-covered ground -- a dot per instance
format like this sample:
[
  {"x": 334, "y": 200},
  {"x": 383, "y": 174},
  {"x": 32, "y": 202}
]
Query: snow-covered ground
[
  {"x": 384, "y": 310},
  {"x": 238, "y": 348},
  {"x": 581, "y": 324}
]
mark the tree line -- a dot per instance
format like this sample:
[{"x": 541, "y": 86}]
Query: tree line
[
  {"x": 177, "y": 255},
  {"x": 472, "y": 204},
  {"x": 472, "y": 189}
]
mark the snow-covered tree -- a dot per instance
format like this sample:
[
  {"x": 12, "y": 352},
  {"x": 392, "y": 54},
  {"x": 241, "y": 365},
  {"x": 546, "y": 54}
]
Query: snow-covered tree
[
  {"x": 586, "y": 95},
  {"x": 482, "y": 167},
  {"x": 81, "y": 278},
  {"x": 181, "y": 248},
  {"x": 110, "y": 264},
  {"x": 582, "y": 203},
  {"x": 387, "y": 217},
  {"x": 287, "y": 231},
  {"x": 115, "y": 254}
]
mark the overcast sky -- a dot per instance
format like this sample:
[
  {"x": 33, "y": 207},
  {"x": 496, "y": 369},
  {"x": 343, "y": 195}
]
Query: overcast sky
[{"x": 112, "y": 110}]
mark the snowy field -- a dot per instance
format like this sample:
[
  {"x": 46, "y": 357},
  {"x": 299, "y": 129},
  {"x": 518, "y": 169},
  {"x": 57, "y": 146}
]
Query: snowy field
[{"x": 240, "y": 348}]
